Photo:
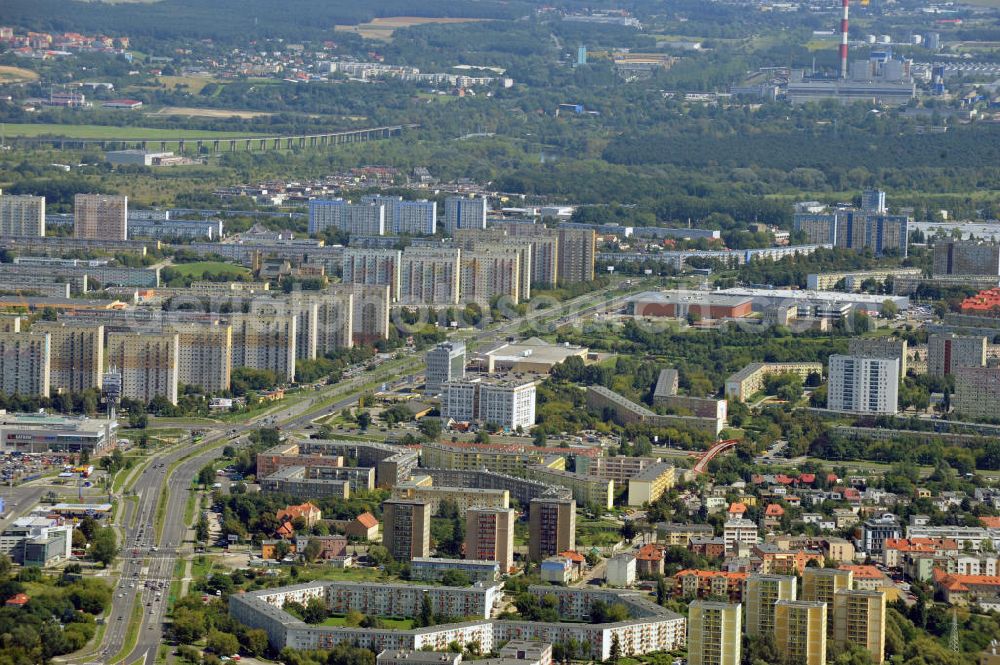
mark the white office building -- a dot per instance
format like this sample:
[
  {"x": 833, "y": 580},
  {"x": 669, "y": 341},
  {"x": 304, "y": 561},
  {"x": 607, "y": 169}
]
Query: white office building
[
  {"x": 445, "y": 362},
  {"x": 509, "y": 404},
  {"x": 464, "y": 213},
  {"x": 863, "y": 385}
]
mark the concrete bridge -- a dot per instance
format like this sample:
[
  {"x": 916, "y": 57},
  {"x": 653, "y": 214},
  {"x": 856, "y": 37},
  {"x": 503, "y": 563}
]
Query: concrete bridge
[{"x": 218, "y": 145}]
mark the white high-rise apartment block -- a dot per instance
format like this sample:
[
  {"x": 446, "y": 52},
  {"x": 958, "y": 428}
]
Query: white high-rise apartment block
[
  {"x": 205, "y": 355},
  {"x": 509, "y": 404},
  {"x": 429, "y": 275},
  {"x": 445, "y": 362},
  {"x": 361, "y": 219},
  {"x": 373, "y": 267},
  {"x": 863, "y": 385},
  {"x": 147, "y": 362},
  {"x": 77, "y": 355},
  {"x": 265, "y": 339},
  {"x": 406, "y": 217},
  {"x": 22, "y": 215},
  {"x": 461, "y": 212}
]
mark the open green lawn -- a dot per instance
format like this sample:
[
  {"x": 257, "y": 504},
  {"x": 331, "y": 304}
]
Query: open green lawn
[
  {"x": 394, "y": 623},
  {"x": 198, "y": 269},
  {"x": 597, "y": 533},
  {"x": 29, "y": 130}
]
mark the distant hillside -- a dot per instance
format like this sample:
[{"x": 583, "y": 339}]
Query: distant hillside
[{"x": 226, "y": 19}]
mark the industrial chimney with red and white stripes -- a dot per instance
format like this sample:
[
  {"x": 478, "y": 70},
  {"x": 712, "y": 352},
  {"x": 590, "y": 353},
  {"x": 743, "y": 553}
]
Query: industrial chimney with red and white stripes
[{"x": 843, "y": 42}]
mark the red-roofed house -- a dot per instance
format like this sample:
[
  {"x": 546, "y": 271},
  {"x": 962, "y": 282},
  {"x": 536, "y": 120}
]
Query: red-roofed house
[
  {"x": 962, "y": 589},
  {"x": 990, "y": 522},
  {"x": 736, "y": 510},
  {"x": 870, "y": 578},
  {"x": 649, "y": 561},
  {"x": 894, "y": 550},
  {"x": 17, "y": 600},
  {"x": 285, "y": 531},
  {"x": 772, "y": 515},
  {"x": 363, "y": 526},
  {"x": 578, "y": 561},
  {"x": 308, "y": 512},
  {"x": 807, "y": 478}
]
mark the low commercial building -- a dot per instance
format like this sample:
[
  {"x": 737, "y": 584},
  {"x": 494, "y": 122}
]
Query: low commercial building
[
  {"x": 852, "y": 281},
  {"x": 699, "y": 304},
  {"x": 750, "y": 380},
  {"x": 767, "y": 298},
  {"x": 532, "y": 355},
  {"x": 37, "y": 541},
  {"x": 557, "y": 570},
  {"x": 45, "y": 432}
]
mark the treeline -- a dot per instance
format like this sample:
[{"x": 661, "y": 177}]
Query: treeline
[
  {"x": 821, "y": 148},
  {"x": 236, "y": 20}
]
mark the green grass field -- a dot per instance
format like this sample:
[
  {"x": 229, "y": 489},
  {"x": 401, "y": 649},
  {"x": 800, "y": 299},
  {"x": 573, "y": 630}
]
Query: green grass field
[
  {"x": 198, "y": 269},
  {"x": 394, "y": 623},
  {"x": 31, "y": 130}
]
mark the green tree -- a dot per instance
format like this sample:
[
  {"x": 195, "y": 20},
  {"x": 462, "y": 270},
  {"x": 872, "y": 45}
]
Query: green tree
[
  {"x": 104, "y": 546},
  {"x": 426, "y": 616},
  {"x": 364, "y": 420},
  {"x": 616, "y": 650},
  {"x": 430, "y": 427},
  {"x": 312, "y": 550},
  {"x": 316, "y": 611},
  {"x": 224, "y": 644},
  {"x": 206, "y": 476},
  {"x": 188, "y": 626}
]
